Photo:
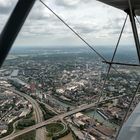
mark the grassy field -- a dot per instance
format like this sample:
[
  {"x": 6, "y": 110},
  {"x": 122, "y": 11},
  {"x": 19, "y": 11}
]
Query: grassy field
[
  {"x": 47, "y": 114},
  {"x": 24, "y": 123},
  {"x": 67, "y": 137},
  {"x": 27, "y": 136},
  {"x": 54, "y": 128}
]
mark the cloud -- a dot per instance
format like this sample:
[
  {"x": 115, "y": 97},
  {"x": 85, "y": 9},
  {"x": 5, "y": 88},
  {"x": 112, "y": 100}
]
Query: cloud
[
  {"x": 71, "y": 3},
  {"x": 67, "y": 3},
  {"x": 6, "y": 6},
  {"x": 89, "y": 18},
  {"x": 114, "y": 26},
  {"x": 86, "y": 27}
]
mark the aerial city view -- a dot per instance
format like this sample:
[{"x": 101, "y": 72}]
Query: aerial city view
[
  {"x": 62, "y": 86},
  {"x": 54, "y": 87}
]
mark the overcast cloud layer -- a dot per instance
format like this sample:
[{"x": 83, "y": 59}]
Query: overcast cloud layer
[{"x": 98, "y": 23}]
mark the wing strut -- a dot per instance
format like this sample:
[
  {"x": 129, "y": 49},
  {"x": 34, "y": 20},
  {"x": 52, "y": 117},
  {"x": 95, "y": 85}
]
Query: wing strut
[
  {"x": 131, "y": 14},
  {"x": 13, "y": 26}
]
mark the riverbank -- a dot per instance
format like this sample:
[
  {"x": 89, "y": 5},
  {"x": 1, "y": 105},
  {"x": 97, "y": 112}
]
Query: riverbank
[{"x": 100, "y": 118}]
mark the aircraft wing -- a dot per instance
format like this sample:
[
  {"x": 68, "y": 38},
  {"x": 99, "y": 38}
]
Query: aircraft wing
[
  {"x": 131, "y": 128},
  {"x": 123, "y": 4}
]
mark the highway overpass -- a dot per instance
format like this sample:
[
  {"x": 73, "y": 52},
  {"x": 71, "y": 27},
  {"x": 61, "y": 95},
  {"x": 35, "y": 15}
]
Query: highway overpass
[{"x": 55, "y": 118}]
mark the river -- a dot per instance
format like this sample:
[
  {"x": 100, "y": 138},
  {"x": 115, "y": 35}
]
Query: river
[{"x": 98, "y": 117}]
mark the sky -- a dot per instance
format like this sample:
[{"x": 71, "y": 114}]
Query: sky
[{"x": 96, "y": 22}]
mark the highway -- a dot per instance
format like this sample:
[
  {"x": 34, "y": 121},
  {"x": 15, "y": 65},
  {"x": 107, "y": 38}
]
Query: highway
[
  {"x": 55, "y": 118},
  {"x": 40, "y": 133},
  {"x": 48, "y": 107}
]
